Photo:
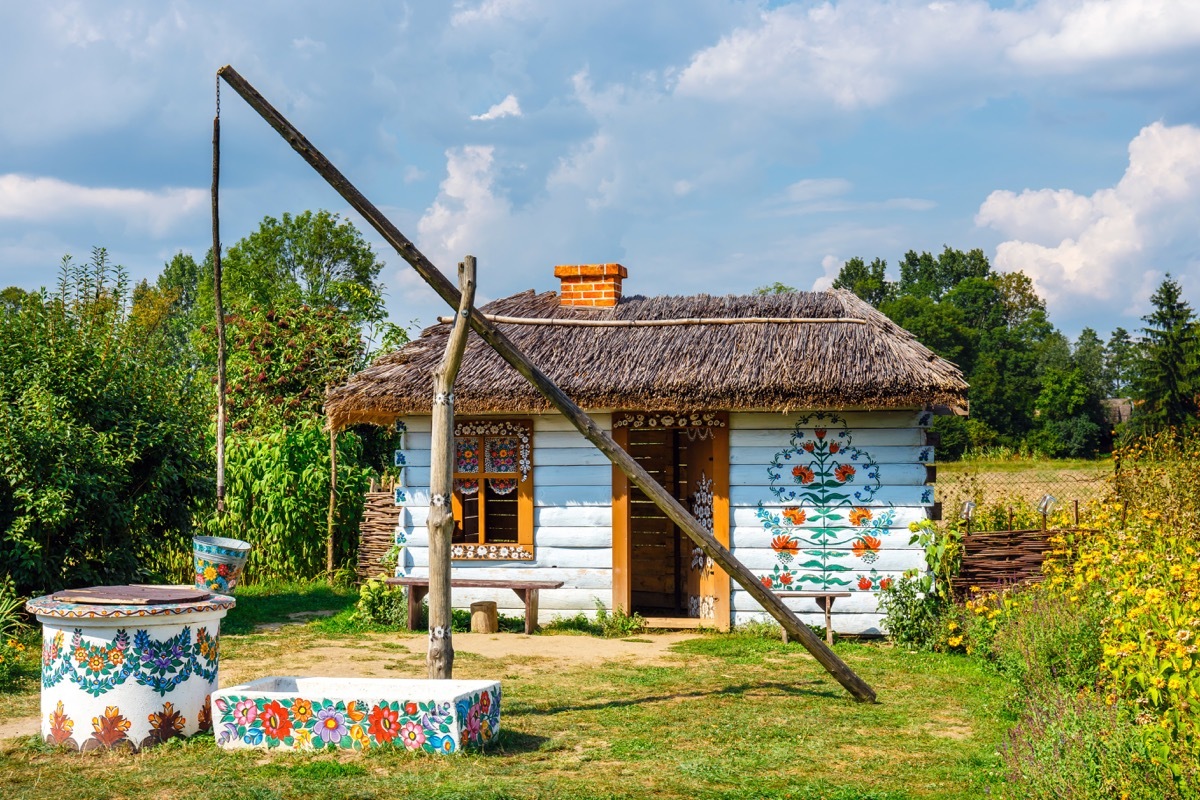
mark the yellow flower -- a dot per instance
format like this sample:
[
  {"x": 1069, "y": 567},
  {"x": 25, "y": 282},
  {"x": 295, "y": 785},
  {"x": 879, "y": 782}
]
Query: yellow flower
[
  {"x": 359, "y": 735},
  {"x": 303, "y": 737},
  {"x": 953, "y": 626},
  {"x": 954, "y": 641},
  {"x": 210, "y": 573}
]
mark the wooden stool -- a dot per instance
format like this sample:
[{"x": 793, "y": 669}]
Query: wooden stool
[
  {"x": 484, "y": 618},
  {"x": 825, "y": 603}
]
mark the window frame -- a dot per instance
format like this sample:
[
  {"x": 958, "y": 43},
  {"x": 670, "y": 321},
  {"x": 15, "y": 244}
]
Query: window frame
[{"x": 480, "y": 430}]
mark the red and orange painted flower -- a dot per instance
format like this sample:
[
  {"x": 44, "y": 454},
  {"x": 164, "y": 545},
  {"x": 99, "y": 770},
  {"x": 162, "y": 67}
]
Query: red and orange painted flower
[
  {"x": 785, "y": 545},
  {"x": 803, "y": 474},
  {"x": 864, "y": 583},
  {"x": 844, "y": 472},
  {"x": 275, "y": 721},
  {"x": 384, "y": 723},
  {"x": 860, "y": 516},
  {"x": 795, "y": 515},
  {"x": 866, "y": 548}
]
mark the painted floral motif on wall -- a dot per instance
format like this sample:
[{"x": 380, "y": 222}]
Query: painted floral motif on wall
[
  {"x": 97, "y": 668},
  {"x": 327, "y": 724},
  {"x": 824, "y": 533}
]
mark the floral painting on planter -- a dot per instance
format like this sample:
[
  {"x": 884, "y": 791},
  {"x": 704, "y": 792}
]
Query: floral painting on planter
[
  {"x": 323, "y": 723},
  {"x": 824, "y": 533}
]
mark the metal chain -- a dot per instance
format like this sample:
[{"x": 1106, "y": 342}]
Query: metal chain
[{"x": 218, "y": 80}]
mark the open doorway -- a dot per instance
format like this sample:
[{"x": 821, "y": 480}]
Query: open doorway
[{"x": 658, "y": 572}]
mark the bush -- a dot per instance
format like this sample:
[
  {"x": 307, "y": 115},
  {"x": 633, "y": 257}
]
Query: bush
[
  {"x": 102, "y": 447},
  {"x": 618, "y": 624},
  {"x": 1076, "y": 746},
  {"x": 614, "y": 625},
  {"x": 1050, "y": 641},
  {"x": 911, "y": 617},
  {"x": 380, "y": 604},
  {"x": 277, "y": 498}
]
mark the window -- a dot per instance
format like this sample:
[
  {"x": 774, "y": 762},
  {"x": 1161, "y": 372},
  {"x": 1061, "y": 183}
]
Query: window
[{"x": 493, "y": 490}]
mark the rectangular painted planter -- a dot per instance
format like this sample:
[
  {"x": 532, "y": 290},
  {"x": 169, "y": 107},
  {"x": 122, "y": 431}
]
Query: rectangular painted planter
[{"x": 291, "y": 713}]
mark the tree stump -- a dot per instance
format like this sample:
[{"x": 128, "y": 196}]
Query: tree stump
[{"x": 484, "y": 618}]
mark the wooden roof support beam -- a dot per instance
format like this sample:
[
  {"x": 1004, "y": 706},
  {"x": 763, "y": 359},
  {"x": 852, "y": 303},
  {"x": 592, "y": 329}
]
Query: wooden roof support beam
[
  {"x": 657, "y": 323},
  {"x": 487, "y": 331}
]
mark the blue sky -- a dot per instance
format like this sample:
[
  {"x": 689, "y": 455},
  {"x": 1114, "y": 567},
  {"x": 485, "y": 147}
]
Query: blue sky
[{"x": 709, "y": 146}]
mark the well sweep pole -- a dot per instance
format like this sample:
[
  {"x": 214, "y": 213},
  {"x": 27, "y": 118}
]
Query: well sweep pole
[{"x": 857, "y": 687}]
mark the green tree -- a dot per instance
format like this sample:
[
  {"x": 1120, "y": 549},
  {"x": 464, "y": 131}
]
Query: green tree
[
  {"x": 774, "y": 288},
  {"x": 11, "y": 299},
  {"x": 927, "y": 276},
  {"x": 318, "y": 260},
  {"x": 1120, "y": 362},
  {"x": 102, "y": 446},
  {"x": 868, "y": 281},
  {"x": 1089, "y": 357},
  {"x": 1167, "y": 379},
  {"x": 938, "y": 326}
]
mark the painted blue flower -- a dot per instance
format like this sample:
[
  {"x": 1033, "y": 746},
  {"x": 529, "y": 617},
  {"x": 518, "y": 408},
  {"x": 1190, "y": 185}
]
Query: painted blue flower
[{"x": 253, "y": 736}]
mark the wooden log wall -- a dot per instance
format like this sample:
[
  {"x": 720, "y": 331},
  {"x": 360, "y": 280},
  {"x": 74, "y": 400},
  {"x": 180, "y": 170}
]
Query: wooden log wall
[
  {"x": 998, "y": 559},
  {"x": 376, "y": 533}
]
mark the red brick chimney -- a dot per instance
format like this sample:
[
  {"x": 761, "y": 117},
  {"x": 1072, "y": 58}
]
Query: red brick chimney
[{"x": 594, "y": 285}]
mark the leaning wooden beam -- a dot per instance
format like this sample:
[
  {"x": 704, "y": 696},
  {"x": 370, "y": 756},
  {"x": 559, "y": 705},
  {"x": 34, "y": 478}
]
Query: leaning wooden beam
[
  {"x": 487, "y": 331},
  {"x": 657, "y": 323},
  {"x": 440, "y": 661}
]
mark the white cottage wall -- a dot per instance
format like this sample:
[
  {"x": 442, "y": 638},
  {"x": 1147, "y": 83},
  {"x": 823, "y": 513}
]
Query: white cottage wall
[
  {"x": 837, "y": 536},
  {"x": 573, "y": 513},
  {"x": 572, "y": 497}
]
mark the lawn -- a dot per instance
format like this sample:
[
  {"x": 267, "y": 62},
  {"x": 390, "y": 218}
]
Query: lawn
[
  {"x": 1023, "y": 481},
  {"x": 702, "y": 716}
]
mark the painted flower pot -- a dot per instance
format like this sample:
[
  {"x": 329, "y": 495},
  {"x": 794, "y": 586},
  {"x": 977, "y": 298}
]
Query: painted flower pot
[
  {"x": 127, "y": 676},
  {"x": 291, "y": 713},
  {"x": 219, "y": 562}
]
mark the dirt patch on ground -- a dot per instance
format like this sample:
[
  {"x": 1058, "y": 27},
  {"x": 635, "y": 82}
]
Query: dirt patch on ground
[
  {"x": 22, "y": 726},
  {"x": 394, "y": 656}
]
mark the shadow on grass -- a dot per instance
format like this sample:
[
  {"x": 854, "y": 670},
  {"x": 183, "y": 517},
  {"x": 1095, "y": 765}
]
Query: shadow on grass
[
  {"x": 277, "y": 603},
  {"x": 736, "y": 691},
  {"x": 510, "y": 742}
]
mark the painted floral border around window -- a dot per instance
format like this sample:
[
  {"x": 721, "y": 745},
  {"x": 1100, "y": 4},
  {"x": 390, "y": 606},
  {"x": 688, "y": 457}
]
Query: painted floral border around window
[{"x": 493, "y": 460}]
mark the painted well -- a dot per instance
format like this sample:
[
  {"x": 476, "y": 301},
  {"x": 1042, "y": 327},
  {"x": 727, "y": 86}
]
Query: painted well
[
  {"x": 291, "y": 713},
  {"x": 126, "y": 676}
]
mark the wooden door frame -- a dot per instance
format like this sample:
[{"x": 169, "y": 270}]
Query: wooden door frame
[{"x": 622, "y": 552}]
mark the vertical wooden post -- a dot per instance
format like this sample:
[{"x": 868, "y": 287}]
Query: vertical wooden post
[
  {"x": 440, "y": 661},
  {"x": 219, "y": 307},
  {"x": 332, "y": 503}
]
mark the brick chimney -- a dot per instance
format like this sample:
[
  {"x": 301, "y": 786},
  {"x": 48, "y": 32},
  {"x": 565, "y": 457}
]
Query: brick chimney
[{"x": 594, "y": 285}]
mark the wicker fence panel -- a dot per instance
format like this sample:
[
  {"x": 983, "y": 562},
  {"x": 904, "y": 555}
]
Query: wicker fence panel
[
  {"x": 377, "y": 533},
  {"x": 1001, "y": 558}
]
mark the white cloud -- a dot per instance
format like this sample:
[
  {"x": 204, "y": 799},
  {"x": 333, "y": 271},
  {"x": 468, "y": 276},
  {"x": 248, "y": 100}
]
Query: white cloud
[
  {"x": 465, "y": 208},
  {"x": 508, "y": 107},
  {"x": 1095, "y": 31},
  {"x": 488, "y": 11},
  {"x": 1099, "y": 246},
  {"x": 36, "y": 199},
  {"x": 809, "y": 189},
  {"x": 862, "y": 54}
]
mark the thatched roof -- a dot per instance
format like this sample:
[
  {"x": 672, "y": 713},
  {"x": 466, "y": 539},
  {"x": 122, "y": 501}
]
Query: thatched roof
[{"x": 754, "y": 366}]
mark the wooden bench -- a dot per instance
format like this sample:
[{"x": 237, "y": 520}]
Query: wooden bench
[
  {"x": 526, "y": 590},
  {"x": 824, "y": 602}
]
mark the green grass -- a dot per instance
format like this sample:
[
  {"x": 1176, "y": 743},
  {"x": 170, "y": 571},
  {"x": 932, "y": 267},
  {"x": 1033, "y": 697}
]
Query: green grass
[
  {"x": 724, "y": 716},
  {"x": 1098, "y": 466},
  {"x": 274, "y": 603}
]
